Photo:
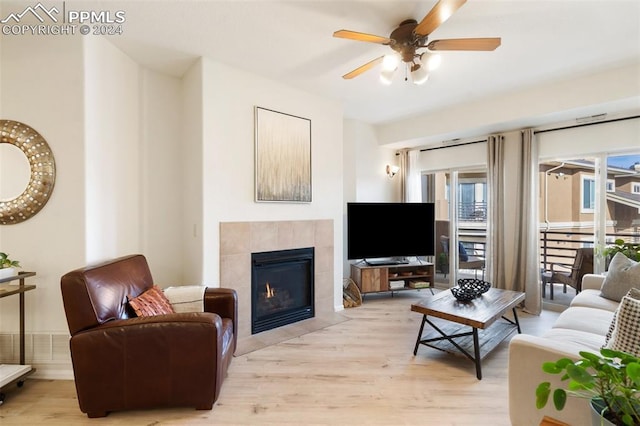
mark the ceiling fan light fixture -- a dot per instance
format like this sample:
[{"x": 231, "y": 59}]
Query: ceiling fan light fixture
[
  {"x": 431, "y": 60},
  {"x": 390, "y": 62},
  {"x": 419, "y": 74},
  {"x": 386, "y": 76}
]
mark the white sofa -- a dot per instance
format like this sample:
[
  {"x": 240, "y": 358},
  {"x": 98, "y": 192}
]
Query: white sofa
[{"x": 582, "y": 327}]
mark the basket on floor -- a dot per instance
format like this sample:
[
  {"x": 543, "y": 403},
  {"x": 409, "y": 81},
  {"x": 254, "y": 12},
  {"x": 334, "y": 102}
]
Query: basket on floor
[{"x": 351, "y": 296}]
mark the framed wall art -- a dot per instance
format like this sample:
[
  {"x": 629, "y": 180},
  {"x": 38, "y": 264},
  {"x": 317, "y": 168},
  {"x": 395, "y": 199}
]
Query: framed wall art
[{"x": 282, "y": 157}]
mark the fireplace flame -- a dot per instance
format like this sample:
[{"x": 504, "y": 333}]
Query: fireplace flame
[{"x": 270, "y": 291}]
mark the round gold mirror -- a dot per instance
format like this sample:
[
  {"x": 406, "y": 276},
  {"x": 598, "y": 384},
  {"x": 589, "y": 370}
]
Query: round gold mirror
[{"x": 17, "y": 202}]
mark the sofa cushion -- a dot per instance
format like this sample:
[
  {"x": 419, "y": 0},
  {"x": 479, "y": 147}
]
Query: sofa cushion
[
  {"x": 151, "y": 302},
  {"x": 590, "y": 320},
  {"x": 581, "y": 340},
  {"x": 625, "y": 326},
  {"x": 623, "y": 274},
  {"x": 592, "y": 299}
]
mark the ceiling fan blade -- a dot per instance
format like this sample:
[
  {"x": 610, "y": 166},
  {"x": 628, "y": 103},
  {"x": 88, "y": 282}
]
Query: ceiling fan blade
[
  {"x": 352, "y": 35},
  {"x": 363, "y": 68},
  {"x": 490, "y": 43},
  {"x": 436, "y": 16}
]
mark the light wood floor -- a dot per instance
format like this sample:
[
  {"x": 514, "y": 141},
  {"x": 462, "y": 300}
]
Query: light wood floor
[{"x": 358, "y": 372}]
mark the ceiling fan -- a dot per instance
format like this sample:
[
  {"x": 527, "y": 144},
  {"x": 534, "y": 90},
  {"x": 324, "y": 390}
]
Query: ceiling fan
[{"x": 410, "y": 37}]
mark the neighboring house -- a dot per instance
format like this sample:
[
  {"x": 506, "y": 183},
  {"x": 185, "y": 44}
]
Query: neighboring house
[
  {"x": 568, "y": 211},
  {"x": 567, "y": 198}
]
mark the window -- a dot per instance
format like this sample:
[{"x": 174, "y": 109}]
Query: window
[
  {"x": 635, "y": 188},
  {"x": 588, "y": 194},
  {"x": 611, "y": 185}
]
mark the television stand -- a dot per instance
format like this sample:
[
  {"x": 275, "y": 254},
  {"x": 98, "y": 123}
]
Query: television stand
[
  {"x": 384, "y": 278},
  {"x": 383, "y": 262}
]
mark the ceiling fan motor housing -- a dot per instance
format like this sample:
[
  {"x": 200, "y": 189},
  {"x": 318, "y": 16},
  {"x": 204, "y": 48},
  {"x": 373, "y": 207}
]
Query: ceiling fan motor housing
[{"x": 405, "y": 41}]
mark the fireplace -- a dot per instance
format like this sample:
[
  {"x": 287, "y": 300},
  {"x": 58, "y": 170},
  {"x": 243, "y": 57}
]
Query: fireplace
[{"x": 281, "y": 288}]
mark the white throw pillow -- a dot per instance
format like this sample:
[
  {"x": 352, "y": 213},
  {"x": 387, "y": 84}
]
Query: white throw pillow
[
  {"x": 625, "y": 327},
  {"x": 623, "y": 275}
]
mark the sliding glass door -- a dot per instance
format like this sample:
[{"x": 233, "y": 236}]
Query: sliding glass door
[
  {"x": 460, "y": 197},
  {"x": 586, "y": 203}
]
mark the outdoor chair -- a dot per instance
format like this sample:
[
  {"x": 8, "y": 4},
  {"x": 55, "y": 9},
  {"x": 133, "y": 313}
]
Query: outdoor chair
[
  {"x": 582, "y": 264},
  {"x": 465, "y": 261}
]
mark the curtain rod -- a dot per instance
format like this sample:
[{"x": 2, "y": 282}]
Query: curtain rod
[
  {"x": 613, "y": 120},
  {"x": 452, "y": 146}
]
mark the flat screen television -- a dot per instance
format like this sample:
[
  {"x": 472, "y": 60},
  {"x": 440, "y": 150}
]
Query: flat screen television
[{"x": 392, "y": 231}]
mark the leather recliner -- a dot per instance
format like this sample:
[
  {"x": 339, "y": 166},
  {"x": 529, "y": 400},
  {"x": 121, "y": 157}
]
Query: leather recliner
[{"x": 123, "y": 362}]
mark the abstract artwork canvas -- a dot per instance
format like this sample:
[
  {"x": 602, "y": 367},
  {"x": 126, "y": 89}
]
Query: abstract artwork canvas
[{"x": 282, "y": 156}]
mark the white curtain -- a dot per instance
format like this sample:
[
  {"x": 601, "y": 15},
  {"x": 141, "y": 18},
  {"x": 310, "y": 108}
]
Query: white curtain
[
  {"x": 403, "y": 156},
  {"x": 413, "y": 185},
  {"x": 512, "y": 228},
  {"x": 410, "y": 185}
]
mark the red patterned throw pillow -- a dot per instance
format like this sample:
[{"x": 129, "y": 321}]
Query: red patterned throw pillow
[{"x": 151, "y": 302}]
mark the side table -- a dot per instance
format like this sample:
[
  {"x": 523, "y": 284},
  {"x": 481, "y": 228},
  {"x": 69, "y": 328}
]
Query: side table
[{"x": 12, "y": 373}]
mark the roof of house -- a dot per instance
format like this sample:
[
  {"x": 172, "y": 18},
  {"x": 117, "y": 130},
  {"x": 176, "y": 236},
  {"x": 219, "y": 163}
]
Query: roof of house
[{"x": 625, "y": 198}]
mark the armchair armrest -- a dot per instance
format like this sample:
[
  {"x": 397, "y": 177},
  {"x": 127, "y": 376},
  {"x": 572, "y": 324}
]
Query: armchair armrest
[
  {"x": 224, "y": 302},
  {"x": 561, "y": 268}
]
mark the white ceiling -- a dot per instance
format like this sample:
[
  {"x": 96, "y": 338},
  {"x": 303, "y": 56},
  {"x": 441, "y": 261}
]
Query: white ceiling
[{"x": 291, "y": 42}]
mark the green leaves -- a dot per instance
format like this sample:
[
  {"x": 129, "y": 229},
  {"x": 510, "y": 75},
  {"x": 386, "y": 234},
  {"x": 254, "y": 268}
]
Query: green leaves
[
  {"x": 5, "y": 262},
  {"x": 631, "y": 250},
  {"x": 633, "y": 371},
  {"x": 542, "y": 394},
  {"x": 559, "y": 399},
  {"x": 611, "y": 376}
]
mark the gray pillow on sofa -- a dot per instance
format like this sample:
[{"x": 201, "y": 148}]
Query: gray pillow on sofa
[{"x": 623, "y": 275}]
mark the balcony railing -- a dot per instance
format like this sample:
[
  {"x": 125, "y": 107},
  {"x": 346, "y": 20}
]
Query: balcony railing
[
  {"x": 472, "y": 212},
  {"x": 560, "y": 247},
  {"x": 556, "y": 247}
]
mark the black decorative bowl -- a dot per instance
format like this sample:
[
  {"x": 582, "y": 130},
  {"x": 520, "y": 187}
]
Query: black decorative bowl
[
  {"x": 475, "y": 285},
  {"x": 463, "y": 294}
]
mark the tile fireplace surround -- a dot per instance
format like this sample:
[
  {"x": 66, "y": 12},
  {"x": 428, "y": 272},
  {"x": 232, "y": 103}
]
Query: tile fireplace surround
[{"x": 239, "y": 239}]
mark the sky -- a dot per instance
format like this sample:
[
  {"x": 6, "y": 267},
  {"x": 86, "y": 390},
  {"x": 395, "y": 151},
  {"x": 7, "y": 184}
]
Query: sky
[{"x": 623, "y": 161}]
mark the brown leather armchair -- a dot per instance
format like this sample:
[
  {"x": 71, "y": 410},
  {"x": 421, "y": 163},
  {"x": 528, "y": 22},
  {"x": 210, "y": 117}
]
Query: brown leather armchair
[{"x": 123, "y": 362}]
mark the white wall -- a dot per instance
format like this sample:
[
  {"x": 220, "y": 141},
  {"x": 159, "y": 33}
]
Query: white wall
[
  {"x": 133, "y": 168},
  {"x": 162, "y": 182},
  {"x": 112, "y": 151},
  {"x": 367, "y": 162},
  {"x": 192, "y": 131},
  {"x": 229, "y": 98},
  {"x": 41, "y": 86}
]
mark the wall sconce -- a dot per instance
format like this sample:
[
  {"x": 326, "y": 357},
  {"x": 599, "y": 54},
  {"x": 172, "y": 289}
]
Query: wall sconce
[{"x": 392, "y": 170}]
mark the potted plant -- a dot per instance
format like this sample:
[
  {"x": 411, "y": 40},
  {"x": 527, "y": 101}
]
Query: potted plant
[
  {"x": 443, "y": 264},
  {"x": 611, "y": 380},
  {"x": 8, "y": 267},
  {"x": 631, "y": 250}
]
